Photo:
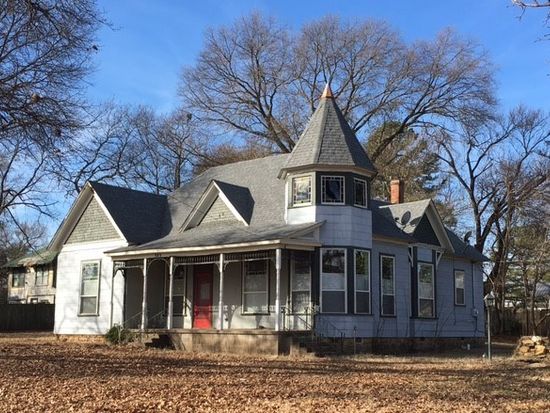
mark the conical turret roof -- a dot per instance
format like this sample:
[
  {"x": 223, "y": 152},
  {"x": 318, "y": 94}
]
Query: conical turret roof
[{"x": 328, "y": 140}]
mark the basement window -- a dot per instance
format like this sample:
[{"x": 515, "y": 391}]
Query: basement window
[{"x": 89, "y": 288}]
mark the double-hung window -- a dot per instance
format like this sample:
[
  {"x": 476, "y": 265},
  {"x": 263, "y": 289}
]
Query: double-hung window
[
  {"x": 89, "y": 288},
  {"x": 333, "y": 280},
  {"x": 362, "y": 281},
  {"x": 300, "y": 267},
  {"x": 332, "y": 190},
  {"x": 18, "y": 278},
  {"x": 360, "y": 192},
  {"x": 255, "y": 287},
  {"x": 387, "y": 277},
  {"x": 426, "y": 297},
  {"x": 301, "y": 190},
  {"x": 41, "y": 277},
  {"x": 459, "y": 287},
  {"x": 178, "y": 292}
]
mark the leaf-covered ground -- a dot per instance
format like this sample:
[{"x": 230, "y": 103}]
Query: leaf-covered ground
[{"x": 45, "y": 374}]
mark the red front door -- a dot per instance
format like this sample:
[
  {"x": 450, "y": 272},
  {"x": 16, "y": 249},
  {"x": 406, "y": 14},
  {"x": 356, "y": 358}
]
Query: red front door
[{"x": 202, "y": 296}]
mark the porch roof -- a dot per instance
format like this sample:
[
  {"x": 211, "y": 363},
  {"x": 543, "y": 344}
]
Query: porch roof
[{"x": 211, "y": 235}]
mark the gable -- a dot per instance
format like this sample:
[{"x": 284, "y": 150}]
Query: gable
[
  {"x": 218, "y": 212},
  {"x": 93, "y": 225},
  {"x": 425, "y": 233}
]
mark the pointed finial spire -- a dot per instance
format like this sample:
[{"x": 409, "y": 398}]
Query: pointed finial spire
[{"x": 327, "y": 93}]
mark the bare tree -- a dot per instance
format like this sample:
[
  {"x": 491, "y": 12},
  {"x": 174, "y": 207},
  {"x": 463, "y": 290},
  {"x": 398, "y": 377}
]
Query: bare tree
[
  {"x": 99, "y": 152},
  {"x": 46, "y": 48},
  {"x": 259, "y": 80}
]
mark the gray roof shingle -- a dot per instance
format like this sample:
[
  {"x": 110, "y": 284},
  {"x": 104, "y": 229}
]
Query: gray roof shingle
[
  {"x": 328, "y": 140},
  {"x": 139, "y": 215}
]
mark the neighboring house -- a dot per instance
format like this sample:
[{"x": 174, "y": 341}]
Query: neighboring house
[
  {"x": 260, "y": 247},
  {"x": 32, "y": 279}
]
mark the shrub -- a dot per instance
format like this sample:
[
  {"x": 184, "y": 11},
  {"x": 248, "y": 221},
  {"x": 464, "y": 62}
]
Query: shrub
[{"x": 119, "y": 335}]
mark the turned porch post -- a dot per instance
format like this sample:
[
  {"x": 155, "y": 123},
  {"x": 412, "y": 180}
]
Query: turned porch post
[
  {"x": 278, "y": 289},
  {"x": 220, "y": 301},
  {"x": 144, "y": 299},
  {"x": 170, "y": 294}
]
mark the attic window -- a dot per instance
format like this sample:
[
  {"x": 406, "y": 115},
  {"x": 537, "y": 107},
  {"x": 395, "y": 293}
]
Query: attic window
[
  {"x": 332, "y": 190},
  {"x": 301, "y": 190}
]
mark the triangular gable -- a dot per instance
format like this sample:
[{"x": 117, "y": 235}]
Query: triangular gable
[
  {"x": 218, "y": 198},
  {"x": 77, "y": 211},
  {"x": 93, "y": 225},
  {"x": 438, "y": 227},
  {"x": 425, "y": 233}
]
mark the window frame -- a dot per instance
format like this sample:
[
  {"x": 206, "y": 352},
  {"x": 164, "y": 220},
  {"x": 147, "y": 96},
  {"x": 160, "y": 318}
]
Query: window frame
[
  {"x": 382, "y": 314},
  {"x": 244, "y": 292},
  {"x": 418, "y": 265},
  {"x": 355, "y": 251},
  {"x": 43, "y": 272},
  {"x": 463, "y": 304},
  {"x": 293, "y": 202},
  {"x": 291, "y": 281},
  {"x": 345, "y": 289},
  {"x": 364, "y": 182},
  {"x": 80, "y": 296},
  {"x": 18, "y": 275},
  {"x": 323, "y": 185},
  {"x": 183, "y": 295}
]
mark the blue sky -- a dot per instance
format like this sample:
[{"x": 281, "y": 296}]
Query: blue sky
[{"x": 140, "y": 60}]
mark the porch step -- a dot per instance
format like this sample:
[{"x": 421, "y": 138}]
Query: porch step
[{"x": 158, "y": 341}]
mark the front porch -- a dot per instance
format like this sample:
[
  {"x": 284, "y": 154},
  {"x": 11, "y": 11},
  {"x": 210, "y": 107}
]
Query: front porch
[{"x": 212, "y": 299}]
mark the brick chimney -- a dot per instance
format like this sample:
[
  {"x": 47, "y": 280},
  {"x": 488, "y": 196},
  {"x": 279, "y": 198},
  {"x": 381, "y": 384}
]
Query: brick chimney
[{"x": 397, "y": 191}]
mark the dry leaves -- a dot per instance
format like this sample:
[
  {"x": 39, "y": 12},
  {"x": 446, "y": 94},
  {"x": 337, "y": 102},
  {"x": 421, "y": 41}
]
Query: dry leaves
[{"x": 44, "y": 374}]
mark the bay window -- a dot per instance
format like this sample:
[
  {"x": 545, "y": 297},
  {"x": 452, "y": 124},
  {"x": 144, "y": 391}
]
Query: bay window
[
  {"x": 301, "y": 190},
  {"x": 459, "y": 287},
  {"x": 360, "y": 192},
  {"x": 426, "y": 298},
  {"x": 362, "y": 281},
  {"x": 333, "y": 280},
  {"x": 332, "y": 190},
  {"x": 300, "y": 283},
  {"x": 387, "y": 276},
  {"x": 255, "y": 287},
  {"x": 89, "y": 288}
]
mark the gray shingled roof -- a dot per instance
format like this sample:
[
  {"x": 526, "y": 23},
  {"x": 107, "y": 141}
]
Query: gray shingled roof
[
  {"x": 258, "y": 176},
  {"x": 40, "y": 257},
  {"x": 210, "y": 234},
  {"x": 139, "y": 215},
  {"x": 328, "y": 140},
  {"x": 240, "y": 197}
]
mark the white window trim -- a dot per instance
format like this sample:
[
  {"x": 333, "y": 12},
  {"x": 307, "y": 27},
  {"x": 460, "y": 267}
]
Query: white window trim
[
  {"x": 418, "y": 289},
  {"x": 243, "y": 292},
  {"x": 18, "y": 275},
  {"x": 455, "y": 272},
  {"x": 292, "y": 290},
  {"x": 355, "y": 281},
  {"x": 80, "y": 296},
  {"x": 311, "y": 194},
  {"x": 323, "y": 202},
  {"x": 167, "y": 288},
  {"x": 345, "y": 290},
  {"x": 382, "y": 256},
  {"x": 366, "y": 193}
]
